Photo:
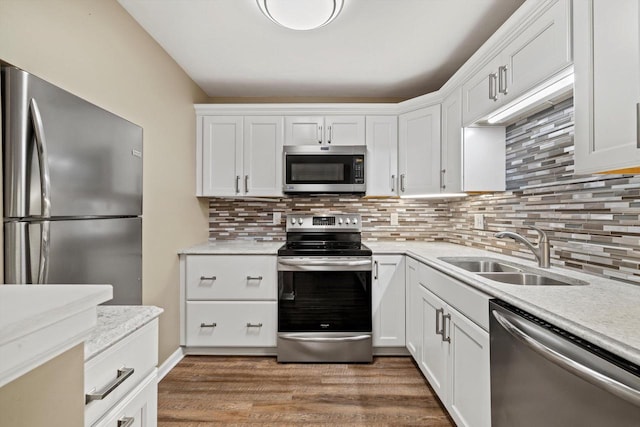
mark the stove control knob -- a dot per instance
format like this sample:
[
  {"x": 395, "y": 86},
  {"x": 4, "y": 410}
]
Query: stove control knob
[
  {"x": 347, "y": 221},
  {"x": 293, "y": 221},
  {"x": 340, "y": 221},
  {"x": 355, "y": 221},
  {"x": 300, "y": 220}
]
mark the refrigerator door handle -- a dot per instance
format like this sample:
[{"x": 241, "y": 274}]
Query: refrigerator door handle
[
  {"x": 43, "y": 159},
  {"x": 43, "y": 265}
]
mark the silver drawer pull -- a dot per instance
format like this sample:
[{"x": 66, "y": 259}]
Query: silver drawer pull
[
  {"x": 254, "y": 325},
  {"x": 208, "y": 325},
  {"x": 122, "y": 375},
  {"x": 212, "y": 278},
  {"x": 254, "y": 278},
  {"x": 126, "y": 421}
]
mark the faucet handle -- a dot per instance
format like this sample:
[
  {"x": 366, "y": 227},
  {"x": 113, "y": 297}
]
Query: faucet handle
[{"x": 542, "y": 235}]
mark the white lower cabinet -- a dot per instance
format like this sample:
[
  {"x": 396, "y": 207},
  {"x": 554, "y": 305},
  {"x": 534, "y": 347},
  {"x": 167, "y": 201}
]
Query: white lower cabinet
[
  {"x": 412, "y": 307},
  {"x": 121, "y": 382},
  {"x": 228, "y": 301},
  {"x": 388, "y": 301},
  {"x": 453, "y": 351}
]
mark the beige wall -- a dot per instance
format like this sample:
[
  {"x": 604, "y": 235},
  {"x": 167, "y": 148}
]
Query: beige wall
[
  {"x": 95, "y": 50},
  {"x": 51, "y": 395}
]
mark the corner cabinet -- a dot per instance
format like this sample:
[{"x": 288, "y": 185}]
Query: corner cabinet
[
  {"x": 419, "y": 152},
  {"x": 607, "y": 86},
  {"x": 382, "y": 156},
  {"x": 239, "y": 156},
  {"x": 325, "y": 130},
  {"x": 447, "y": 324},
  {"x": 388, "y": 301}
]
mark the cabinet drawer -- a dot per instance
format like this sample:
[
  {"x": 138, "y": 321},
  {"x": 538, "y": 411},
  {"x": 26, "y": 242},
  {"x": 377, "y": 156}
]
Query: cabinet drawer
[
  {"x": 470, "y": 302},
  {"x": 140, "y": 407},
  {"x": 237, "y": 323},
  {"x": 138, "y": 351},
  {"x": 241, "y": 277}
]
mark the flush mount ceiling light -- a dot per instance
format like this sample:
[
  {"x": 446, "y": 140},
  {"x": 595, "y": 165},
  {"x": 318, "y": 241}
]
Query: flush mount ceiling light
[{"x": 301, "y": 15}]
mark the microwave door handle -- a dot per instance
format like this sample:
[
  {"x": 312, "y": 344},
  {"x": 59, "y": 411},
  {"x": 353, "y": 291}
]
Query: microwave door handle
[{"x": 45, "y": 191}]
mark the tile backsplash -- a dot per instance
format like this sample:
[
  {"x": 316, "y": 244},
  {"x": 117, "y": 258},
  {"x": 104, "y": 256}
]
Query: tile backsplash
[{"x": 593, "y": 221}]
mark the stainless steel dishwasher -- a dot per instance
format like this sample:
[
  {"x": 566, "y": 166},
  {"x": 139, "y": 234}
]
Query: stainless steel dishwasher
[{"x": 544, "y": 376}]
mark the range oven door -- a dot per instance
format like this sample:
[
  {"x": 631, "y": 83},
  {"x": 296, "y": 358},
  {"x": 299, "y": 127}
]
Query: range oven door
[{"x": 324, "y": 309}]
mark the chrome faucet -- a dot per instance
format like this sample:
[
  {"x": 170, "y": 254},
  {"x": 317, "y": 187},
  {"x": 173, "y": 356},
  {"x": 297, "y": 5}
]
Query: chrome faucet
[{"x": 541, "y": 249}]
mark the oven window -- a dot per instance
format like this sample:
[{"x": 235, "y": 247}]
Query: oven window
[
  {"x": 319, "y": 169},
  {"x": 321, "y": 301}
]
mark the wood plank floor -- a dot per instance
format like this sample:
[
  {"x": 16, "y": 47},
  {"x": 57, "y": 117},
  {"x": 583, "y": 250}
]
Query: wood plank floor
[{"x": 215, "y": 390}]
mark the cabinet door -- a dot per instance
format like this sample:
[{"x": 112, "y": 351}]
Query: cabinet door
[
  {"x": 304, "y": 130},
  {"x": 480, "y": 93},
  {"x": 484, "y": 154},
  {"x": 607, "y": 85},
  {"x": 541, "y": 50},
  {"x": 413, "y": 323},
  {"x": 419, "y": 152},
  {"x": 469, "y": 386},
  {"x": 388, "y": 301},
  {"x": 451, "y": 179},
  {"x": 344, "y": 130},
  {"x": 434, "y": 350},
  {"x": 382, "y": 155},
  {"x": 263, "y": 138},
  {"x": 221, "y": 155}
]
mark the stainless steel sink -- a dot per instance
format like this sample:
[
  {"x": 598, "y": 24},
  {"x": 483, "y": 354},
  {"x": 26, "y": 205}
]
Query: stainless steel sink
[
  {"x": 510, "y": 273},
  {"x": 481, "y": 265}
]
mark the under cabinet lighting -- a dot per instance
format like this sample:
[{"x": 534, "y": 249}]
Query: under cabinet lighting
[{"x": 561, "y": 85}]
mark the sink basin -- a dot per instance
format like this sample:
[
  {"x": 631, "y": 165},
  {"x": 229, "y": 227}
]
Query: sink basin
[
  {"x": 529, "y": 279},
  {"x": 481, "y": 265}
]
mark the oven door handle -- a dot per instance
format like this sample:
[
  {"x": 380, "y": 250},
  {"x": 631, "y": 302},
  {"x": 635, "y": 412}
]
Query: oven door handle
[
  {"x": 307, "y": 265},
  {"x": 294, "y": 337}
]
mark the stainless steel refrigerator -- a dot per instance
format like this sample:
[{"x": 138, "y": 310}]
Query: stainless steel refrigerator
[{"x": 72, "y": 190}]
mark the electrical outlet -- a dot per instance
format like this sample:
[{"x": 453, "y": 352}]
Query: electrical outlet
[
  {"x": 478, "y": 221},
  {"x": 394, "y": 219},
  {"x": 277, "y": 218}
]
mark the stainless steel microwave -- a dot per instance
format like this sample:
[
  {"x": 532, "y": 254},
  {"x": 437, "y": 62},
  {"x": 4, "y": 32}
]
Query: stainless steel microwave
[{"x": 324, "y": 169}]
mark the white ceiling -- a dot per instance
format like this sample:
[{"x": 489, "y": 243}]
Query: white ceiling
[{"x": 374, "y": 49}]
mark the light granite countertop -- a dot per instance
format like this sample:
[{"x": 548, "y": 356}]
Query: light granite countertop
[
  {"x": 605, "y": 312},
  {"x": 116, "y": 322}
]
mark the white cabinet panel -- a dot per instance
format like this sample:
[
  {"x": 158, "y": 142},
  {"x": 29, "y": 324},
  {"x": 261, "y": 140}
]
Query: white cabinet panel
[
  {"x": 139, "y": 408},
  {"x": 382, "y": 155},
  {"x": 344, "y": 130},
  {"x": 262, "y": 166},
  {"x": 434, "y": 350},
  {"x": 304, "y": 130},
  {"x": 221, "y": 156},
  {"x": 607, "y": 85},
  {"x": 484, "y": 159},
  {"x": 480, "y": 93},
  {"x": 419, "y": 151},
  {"x": 451, "y": 147},
  {"x": 413, "y": 323},
  {"x": 388, "y": 301}
]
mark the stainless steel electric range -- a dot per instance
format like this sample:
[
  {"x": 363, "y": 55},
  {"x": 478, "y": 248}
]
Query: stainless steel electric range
[{"x": 324, "y": 291}]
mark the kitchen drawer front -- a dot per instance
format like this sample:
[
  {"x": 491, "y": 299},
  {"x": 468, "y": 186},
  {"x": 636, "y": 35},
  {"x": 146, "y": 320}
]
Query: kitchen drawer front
[
  {"x": 237, "y": 324},
  {"x": 240, "y": 277},
  {"x": 138, "y": 351},
  {"x": 140, "y": 407},
  {"x": 470, "y": 302}
]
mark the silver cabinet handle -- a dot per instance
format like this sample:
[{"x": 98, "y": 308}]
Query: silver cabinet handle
[
  {"x": 439, "y": 315},
  {"x": 45, "y": 190},
  {"x": 121, "y": 376},
  {"x": 493, "y": 90},
  {"x": 246, "y": 183},
  {"x": 393, "y": 183},
  {"x": 402, "y": 182},
  {"x": 254, "y": 277},
  {"x": 442, "y": 184},
  {"x": 208, "y": 325},
  {"x": 329, "y": 140},
  {"x": 587, "y": 373},
  {"x": 319, "y": 134},
  {"x": 502, "y": 79},
  {"x": 126, "y": 421},
  {"x": 254, "y": 325},
  {"x": 446, "y": 338},
  {"x": 237, "y": 184},
  {"x": 638, "y": 125},
  {"x": 212, "y": 278},
  {"x": 375, "y": 269}
]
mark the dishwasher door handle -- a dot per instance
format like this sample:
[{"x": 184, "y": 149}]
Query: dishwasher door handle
[{"x": 587, "y": 373}]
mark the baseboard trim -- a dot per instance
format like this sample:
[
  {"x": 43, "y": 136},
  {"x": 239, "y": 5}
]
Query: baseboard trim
[{"x": 170, "y": 363}]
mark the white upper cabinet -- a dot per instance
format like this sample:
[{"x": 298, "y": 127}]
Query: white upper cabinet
[
  {"x": 484, "y": 159},
  {"x": 607, "y": 86},
  {"x": 325, "y": 130},
  {"x": 419, "y": 151},
  {"x": 451, "y": 155},
  {"x": 539, "y": 50},
  {"x": 382, "y": 156},
  {"x": 240, "y": 156}
]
